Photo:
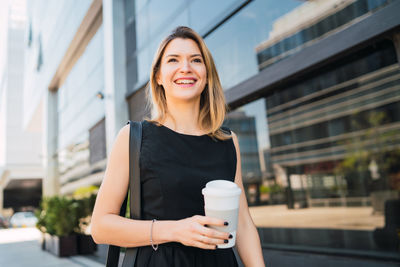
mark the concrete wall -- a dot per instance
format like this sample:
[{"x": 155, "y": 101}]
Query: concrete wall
[
  {"x": 54, "y": 24},
  {"x": 78, "y": 107}
]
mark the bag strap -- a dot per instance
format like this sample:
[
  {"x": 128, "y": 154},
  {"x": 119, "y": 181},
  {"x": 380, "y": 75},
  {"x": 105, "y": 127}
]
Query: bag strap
[{"x": 135, "y": 140}]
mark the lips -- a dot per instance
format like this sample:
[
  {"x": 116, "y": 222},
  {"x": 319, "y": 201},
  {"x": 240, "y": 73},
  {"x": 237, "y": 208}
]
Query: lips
[{"x": 185, "y": 81}]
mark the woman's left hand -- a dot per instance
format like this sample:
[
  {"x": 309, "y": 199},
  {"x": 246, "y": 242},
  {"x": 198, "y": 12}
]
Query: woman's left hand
[{"x": 193, "y": 231}]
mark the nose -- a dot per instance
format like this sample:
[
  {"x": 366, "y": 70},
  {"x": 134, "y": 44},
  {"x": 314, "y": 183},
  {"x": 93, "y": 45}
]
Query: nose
[{"x": 185, "y": 66}]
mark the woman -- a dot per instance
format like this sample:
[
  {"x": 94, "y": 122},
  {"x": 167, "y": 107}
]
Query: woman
[{"x": 183, "y": 147}]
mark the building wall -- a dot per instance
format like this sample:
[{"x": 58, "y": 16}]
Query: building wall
[
  {"x": 3, "y": 78},
  {"x": 53, "y": 26},
  {"x": 23, "y": 148},
  {"x": 20, "y": 149},
  {"x": 78, "y": 105},
  {"x": 80, "y": 109},
  {"x": 67, "y": 114},
  {"x": 246, "y": 38},
  {"x": 309, "y": 203}
]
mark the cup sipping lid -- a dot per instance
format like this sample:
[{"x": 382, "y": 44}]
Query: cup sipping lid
[{"x": 221, "y": 188}]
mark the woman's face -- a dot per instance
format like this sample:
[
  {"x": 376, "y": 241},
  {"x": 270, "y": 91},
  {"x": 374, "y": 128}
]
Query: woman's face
[{"x": 182, "y": 71}]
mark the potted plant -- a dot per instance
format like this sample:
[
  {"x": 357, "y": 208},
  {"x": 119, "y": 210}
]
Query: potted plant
[
  {"x": 85, "y": 197},
  {"x": 58, "y": 220}
]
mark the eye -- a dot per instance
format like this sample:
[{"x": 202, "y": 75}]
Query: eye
[
  {"x": 197, "y": 60},
  {"x": 172, "y": 60}
]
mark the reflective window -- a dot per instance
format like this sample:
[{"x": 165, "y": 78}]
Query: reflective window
[
  {"x": 155, "y": 19},
  {"x": 319, "y": 156},
  {"x": 144, "y": 61},
  {"x": 215, "y": 10},
  {"x": 286, "y": 40},
  {"x": 161, "y": 13},
  {"x": 142, "y": 29},
  {"x": 323, "y": 163},
  {"x": 249, "y": 124},
  {"x": 274, "y": 30},
  {"x": 139, "y": 4},
  {"x": 236, "y": 60}
]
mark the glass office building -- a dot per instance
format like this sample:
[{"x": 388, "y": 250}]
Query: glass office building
[{"x": 313, "y": 89}]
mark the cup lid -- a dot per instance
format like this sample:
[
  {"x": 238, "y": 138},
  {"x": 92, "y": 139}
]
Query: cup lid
[{"x": 221, "y": 188}]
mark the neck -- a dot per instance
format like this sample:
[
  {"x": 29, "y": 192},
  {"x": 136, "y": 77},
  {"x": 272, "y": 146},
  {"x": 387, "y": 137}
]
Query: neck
[{"x": 183, "y": 116}]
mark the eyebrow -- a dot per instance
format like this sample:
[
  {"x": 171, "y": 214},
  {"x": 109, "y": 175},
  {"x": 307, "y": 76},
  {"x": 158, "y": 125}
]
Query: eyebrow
[{"x": 174, "y": 55}]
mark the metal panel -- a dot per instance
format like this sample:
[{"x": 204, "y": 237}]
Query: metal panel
[
  {"x": 97, "y": 142},
  {"x": 138, "y": 108}
]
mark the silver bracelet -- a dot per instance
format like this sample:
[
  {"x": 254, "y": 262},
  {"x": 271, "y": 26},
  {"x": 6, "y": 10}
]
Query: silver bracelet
[{"x": 154, "y": 246}]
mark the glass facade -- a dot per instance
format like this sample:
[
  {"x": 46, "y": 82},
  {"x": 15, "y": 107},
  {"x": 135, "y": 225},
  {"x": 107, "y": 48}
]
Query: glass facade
[
  {"x": 148, "y": 22},
  {"x": 80, "y": 106},
  {"x": 333, "y": 152},
  {"x": 285, "y": 40},
  {"x": 320, "y": 153}
]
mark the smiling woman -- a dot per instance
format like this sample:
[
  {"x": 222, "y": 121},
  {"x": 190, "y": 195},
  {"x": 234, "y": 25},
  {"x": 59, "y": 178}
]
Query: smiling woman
[
  {"x": 184, "y": 54},
  {"x": 188, "y": 109},
  {"x": 182, "y": 72}
]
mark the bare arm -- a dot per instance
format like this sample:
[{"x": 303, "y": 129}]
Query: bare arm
[
  {"x": 110, "y": 228},
  {"x": 247, "y": 239}
]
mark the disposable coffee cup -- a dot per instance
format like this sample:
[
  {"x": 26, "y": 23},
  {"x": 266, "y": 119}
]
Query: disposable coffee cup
[{"x": 221, "y": 200}]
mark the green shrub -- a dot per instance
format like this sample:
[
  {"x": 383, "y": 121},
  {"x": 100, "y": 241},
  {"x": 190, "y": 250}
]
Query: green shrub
[
  {"x": 58, "y": 216},
  {"x": 265, "y": 189},
  {"x": 63, "y": 216},
  {"x": 276, "y": 188}
]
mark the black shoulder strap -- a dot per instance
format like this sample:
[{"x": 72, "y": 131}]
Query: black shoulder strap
[{"x": 135, "y": 140}]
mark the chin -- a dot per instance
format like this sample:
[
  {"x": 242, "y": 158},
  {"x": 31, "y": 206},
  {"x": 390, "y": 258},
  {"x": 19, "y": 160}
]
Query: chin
[{"x": 186, "y": 95}]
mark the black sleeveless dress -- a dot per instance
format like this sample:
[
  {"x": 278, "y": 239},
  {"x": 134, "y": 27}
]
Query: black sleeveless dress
[{"x": 174, "y": 167}]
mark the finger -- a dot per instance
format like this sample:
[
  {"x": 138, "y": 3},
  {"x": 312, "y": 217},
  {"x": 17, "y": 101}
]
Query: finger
[
  {"x": 210, "y": 221},
  {"x": 214, "y": 233},
  {"x": 204, "y": 245},
  {"x": 212, "y": 241}
]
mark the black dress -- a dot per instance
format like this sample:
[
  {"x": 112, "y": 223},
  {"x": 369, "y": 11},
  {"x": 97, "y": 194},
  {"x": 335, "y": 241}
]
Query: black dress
[{"x": 174, "y": 167}]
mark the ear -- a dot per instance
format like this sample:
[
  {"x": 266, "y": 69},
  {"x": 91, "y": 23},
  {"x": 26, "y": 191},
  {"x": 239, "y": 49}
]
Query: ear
[{"x": 158, "y": 79}]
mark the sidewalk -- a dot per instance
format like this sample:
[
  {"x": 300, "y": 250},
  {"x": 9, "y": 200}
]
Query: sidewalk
[
  {"x": 346, "y": 218},
  {"x": 21, "y": 247}
]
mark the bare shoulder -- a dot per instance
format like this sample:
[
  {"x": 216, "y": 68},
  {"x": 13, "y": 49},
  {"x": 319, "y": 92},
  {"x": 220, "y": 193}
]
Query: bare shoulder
[
  {"x": 116, "y": 178},
  {"x": 123, "y": 135},
  {"x": 235, "y": 140},
  {"x": 121, "y": 143},
  {"x": 124, "y": 131}
]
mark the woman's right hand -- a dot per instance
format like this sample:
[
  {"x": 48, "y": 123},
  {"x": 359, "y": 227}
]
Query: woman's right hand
[{"x": 193, "y": 231}]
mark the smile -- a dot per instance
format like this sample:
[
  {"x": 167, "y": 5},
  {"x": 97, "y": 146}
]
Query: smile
[{"x": 185, "y": 81}]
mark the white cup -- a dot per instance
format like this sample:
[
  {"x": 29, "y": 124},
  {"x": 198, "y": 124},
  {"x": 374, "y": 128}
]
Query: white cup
[{"x": 221, "y": 200}]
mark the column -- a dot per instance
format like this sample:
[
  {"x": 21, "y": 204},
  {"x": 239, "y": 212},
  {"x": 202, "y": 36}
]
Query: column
[
  {"x": 289, "y": 191},
  {"x": 1, "y": 199},
  {"x": 51, "y": 183},
  {"x": 116, "y": 106}
]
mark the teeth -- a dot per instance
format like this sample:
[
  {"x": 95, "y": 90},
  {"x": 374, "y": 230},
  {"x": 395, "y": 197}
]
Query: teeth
[{"x": 185, "y": 81}]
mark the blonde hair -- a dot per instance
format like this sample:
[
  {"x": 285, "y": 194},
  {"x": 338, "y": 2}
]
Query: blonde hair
[{"x": 212, "y": 99}]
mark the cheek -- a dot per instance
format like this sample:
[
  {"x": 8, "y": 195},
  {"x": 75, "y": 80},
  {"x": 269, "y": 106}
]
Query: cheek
[
  {"x": 202, "y": 72},
  {"x": 165, "y": 76}
]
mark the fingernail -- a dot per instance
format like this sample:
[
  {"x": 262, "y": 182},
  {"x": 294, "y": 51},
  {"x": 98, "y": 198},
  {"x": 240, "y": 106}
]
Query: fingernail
[
  {"x": 230, "y": 236},
  {"x": 226, "y": 241},
  {"x": 226, "y": 223}
]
